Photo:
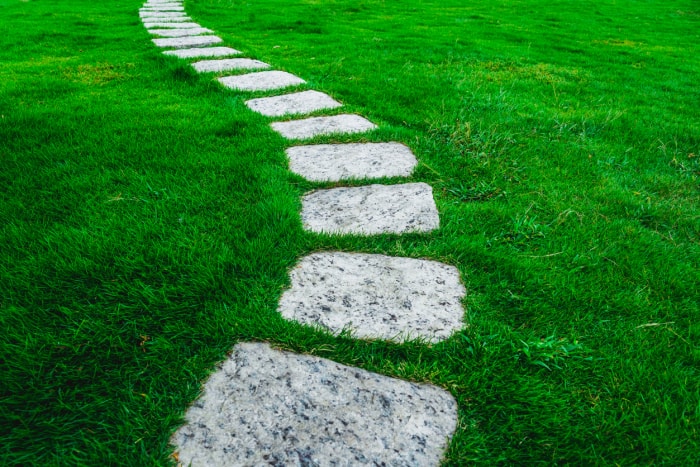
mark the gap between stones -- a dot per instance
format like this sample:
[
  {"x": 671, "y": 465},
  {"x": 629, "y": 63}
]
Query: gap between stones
[{"x": 263, "y": 405}]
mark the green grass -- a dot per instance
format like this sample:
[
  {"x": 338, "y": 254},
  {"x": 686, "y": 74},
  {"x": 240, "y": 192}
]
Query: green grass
[{"x": 148, "y": 219}]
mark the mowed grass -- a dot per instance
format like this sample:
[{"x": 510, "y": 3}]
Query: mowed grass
[{"x": 148, "y": 220}]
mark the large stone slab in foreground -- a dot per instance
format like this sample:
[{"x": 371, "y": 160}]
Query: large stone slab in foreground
[
  {"x": 320, "y": 126},
  {"x": 335, "y": 162},
  {"x": 291, "y": 104},
  {"x": 375, "y": 296},
  {"x": 183, "y": 42},
  {"x": 371, "y": 210},
  {"x": 180, "y": 32},
  {"x": 214, "y": 66},
  {"x": 261, "y": 81},
  {"x": 266, "y": 407},
  {"x": 203, "y": 52}
]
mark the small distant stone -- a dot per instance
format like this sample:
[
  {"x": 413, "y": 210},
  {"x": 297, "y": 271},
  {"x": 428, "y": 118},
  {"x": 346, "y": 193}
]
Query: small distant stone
[
  {"x": 172, "y": 25},
  {"x": 212, "y": 66},
  {"x": 261, "y": 81},
  {"x": 371, "y": 210},
  {"x": 268, "y": 407},
  {"x": 290, "y": 104},
  {"x": 319, "y": 126},
  {"x": 167, "y": 19},
  {"x": 335, "y": 162},
  {"x": 376, "y": 296},
  {"x": 203, "y": 52},
  {"x": 180, "y": 32},
  {"x": 182, "y": 42}
]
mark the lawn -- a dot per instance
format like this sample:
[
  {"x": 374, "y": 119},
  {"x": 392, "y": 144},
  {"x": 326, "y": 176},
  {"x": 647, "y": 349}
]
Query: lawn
[{"x": 148, "y": 220}]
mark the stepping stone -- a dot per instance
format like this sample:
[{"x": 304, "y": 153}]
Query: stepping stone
[
  {"x": 371, "y": 210},
  {"x": 335, "y": 162},
  {"x": 172, "y": 25},
  {"x": 268, "y": 407},
  {"x": 376, "y": 296},
  {"x": 203, "y": 52},
  {"x": 180, "y": 32},
  {"x": 163, "y": 8},
  {"x": 173, "y": 20},
  {"x": 261, "y": 81},
  {"x": 318, "y": 126},
  {"x": 288, "y": 104},
  {"x": 212, "y": 66},
  {"x": 183, "y": 42},
  {"x": 162, "y": 14}
]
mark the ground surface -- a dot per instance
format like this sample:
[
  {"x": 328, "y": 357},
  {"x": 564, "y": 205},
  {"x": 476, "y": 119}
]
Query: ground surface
[{"x": 149, "y": 222}]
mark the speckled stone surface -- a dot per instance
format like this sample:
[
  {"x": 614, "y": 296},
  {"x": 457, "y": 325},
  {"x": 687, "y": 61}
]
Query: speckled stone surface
[
  {"x": 203, "y": 52},
  {"x": 163, "y": 15},
  {"x": 183, "y": 42},
  {"x": 171, "y": 25},
  {"x": 213, "y": 66},
  {"x": 335, "y": 162},
  {"x": 371, "y": 210},
  {"x": 317, "y": 126},
  {"x": 266, "y": 407},
  {"x": 292, "y": 104},
  {"x": 168, "y": 19},
  {"x": 163, "y": 7},
  {"x": 375, "y": 296},
  {"x": 180, "y": 32},
  {"x": 261, "y": 81}
]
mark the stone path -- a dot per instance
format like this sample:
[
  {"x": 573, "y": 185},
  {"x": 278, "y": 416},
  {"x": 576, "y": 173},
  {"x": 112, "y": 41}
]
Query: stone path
[{"x": 264, "y": 406}]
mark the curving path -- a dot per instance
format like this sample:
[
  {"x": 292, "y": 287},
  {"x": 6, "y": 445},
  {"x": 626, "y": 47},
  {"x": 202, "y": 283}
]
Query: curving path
[{"x": 273, "y": 407}]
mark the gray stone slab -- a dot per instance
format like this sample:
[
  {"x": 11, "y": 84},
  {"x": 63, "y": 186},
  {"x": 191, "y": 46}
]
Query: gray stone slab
[
  {"x": 376, "y": 296},
  {"x": 173, "y": 21},
  {"x": 203, "y": 52},
  {"x": 183, "y": 42},
  {"x": 319, "y": 126},
  {"x": 215, "y": 66},
  {"x": 180, "y": 32},
  {"x": 293, "y": 104},
  {"x": 163, "y": 16},
  {"x": 267, "y": 407},
  {"x": 163, "y": 8},
  {"x": 261, "y": 81},
  {"x": 371, "y": 210},
  {"x": 335, "y": 162},
  {"x": 171, "y": 25}
]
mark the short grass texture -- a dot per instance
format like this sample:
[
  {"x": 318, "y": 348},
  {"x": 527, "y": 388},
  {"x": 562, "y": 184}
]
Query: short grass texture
[{"x": 148, "y": 219}]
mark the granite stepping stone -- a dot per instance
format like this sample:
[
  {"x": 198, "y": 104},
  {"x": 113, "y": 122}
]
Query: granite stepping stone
[
  {"x": 183, "y": 42},
  {"x": 203, "y": 52},
  {"x": 268, "y": 407},
  {"x": 319, "y": 126},
  {"x": 163, "y": 14},
  {"x": 290, "y": 104},
  {"x": 171, "y": 25},
  {"x": 261, "y": 81},
  {"x": 163, "y": 8},
  {"x": 180, "y": 32},
  {"x": 371, "y": 210},
  {"x": 335, "y": 162},
  {"x": 376, "y": 296},
  {"x": 212, "y": 66},
  {"x": 168, "y": 19}
]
